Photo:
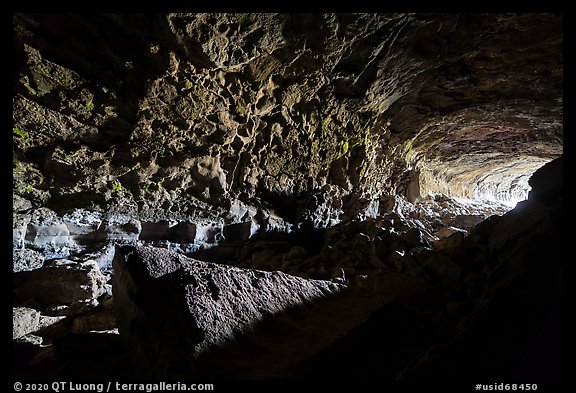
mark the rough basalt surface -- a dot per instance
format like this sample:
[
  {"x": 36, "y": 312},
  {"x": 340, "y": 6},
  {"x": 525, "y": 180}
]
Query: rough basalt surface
[
  {"x": 317, "y": 116},
  {"x": 354, "y": 173},
  {"x": 188, "y": 318}
]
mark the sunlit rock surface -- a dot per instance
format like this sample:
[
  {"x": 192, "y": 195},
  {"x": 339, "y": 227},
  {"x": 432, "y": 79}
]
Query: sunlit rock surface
[{"x": 184, "y": 317}]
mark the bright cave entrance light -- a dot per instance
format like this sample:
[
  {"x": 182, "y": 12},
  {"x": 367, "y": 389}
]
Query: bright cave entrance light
[
  {"x": 480, "y": 183},
  {"x": 507, "y": 185}
]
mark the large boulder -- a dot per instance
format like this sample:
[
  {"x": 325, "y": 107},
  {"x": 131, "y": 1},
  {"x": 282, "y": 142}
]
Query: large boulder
[
  {"x": 181, "y": 317},
  {"x": 548, "y": 182}
]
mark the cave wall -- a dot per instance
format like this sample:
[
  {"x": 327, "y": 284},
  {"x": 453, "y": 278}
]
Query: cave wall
[{"x": 315, "y": 118}]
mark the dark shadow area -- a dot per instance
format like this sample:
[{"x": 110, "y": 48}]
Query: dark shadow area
[
  {"x": 67, "y": 358},
  {"x": 234, "y": 247}
]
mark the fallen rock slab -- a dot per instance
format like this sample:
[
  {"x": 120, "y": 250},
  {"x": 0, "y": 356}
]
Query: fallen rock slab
[{"x": 182, "y": 317}]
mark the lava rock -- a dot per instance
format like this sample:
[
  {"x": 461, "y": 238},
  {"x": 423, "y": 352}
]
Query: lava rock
[
  {"x": 239, "y": 231},
  {"x": 451, "y": 241},
  {"x": 64, "y": 282},
  {"x": 413, "y": 237},
  {"x": 102, "y": 320},
  {"x": 547, "y": 182},
  {"x": 83, "y": 226},
  {"x": 47, "y": 233},
  {"x": 183, "y": 317},
  {"x": 467, "y": 221},
  {"x": 19, "y": 226},
  {"x": 26, "y": 259},
  {"x": 24, "y": 321},
  {"x": 121, "y": 227},
  {"x": 183, "y": 232},
  {"x": 20, "y": 204}
]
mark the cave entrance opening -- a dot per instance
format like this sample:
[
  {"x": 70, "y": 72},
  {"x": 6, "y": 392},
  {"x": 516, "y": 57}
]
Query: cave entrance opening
[{"x": 480, "y": 183}]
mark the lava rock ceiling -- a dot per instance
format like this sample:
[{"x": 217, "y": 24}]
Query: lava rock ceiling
[{"x": 334, "y": 147}]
